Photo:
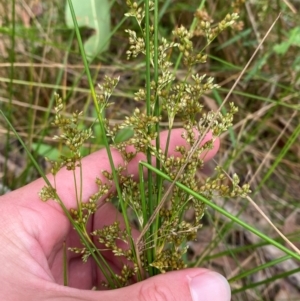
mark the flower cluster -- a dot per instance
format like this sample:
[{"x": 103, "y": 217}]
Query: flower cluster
[
  {"x": 206, "y": 27},
  {"x": 71, "y": 135}
]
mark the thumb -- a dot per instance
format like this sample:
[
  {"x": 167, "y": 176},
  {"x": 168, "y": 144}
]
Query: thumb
[{"x": 187, "y": 285}]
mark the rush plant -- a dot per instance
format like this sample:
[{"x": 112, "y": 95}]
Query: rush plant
[{"x": 166, "y": 190}]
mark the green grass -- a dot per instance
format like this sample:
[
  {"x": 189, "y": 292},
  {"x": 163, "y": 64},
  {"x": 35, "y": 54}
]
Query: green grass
[{"x": 267, "y": 97}]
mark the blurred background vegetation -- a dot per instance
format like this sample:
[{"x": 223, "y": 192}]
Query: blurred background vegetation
[{"x": 39, "y": 56}]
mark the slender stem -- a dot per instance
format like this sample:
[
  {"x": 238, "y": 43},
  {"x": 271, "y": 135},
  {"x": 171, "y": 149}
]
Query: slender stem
[
  {"x": 144, "y": 209},
  {"x": 259, "y": 268},
  {"x": 159, "y": 181},
  {"x": 149, "y": 113},
  {"x": 156, "y": 75},
  {"x": 11, "y": 90},
  {"x": 268, "y": 280},
  {"x": 168, "y": 140},
  {"x": 65, "y": 263},
  {"x": 148, "y": 58},
  {"x": 143, "y": 196},
  {"x": 76, "y": 193}
]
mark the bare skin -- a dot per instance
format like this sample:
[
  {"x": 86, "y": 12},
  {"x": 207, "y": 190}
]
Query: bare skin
[{"x": 32, "y": 234}]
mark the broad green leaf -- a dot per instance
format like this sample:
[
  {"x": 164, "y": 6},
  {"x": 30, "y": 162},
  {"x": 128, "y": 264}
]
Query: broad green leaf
[
  {"x": 46, "y": 150},
  {"x": 94, "y": 14},
  {"x": 293, "y": 39},
  {"x": 124, "y": 134}
]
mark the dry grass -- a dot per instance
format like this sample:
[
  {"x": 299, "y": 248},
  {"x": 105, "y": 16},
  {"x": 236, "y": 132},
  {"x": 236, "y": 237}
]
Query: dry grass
[{"x": 42, "y": 58}]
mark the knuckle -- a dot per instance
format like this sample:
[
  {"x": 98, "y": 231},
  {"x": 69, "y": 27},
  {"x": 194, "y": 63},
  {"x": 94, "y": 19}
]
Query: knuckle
[{"x": 155, "y": 292}]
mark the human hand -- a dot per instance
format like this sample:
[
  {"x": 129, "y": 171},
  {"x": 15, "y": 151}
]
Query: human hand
[{"x": 32, "y": 235}]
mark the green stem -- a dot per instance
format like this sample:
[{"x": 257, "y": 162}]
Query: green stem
[
  {"x": 159, "y": 182},
  {"x": 259, "y": 268},
  {"x": 149, "y": 113},
  {"x": 76, "y": 193},
  {"x": 11, "y": 90},
  {"x": 144, "y": 210},
  {"x": 268, "y": 280},
  {"x": 65, "y": 263}
]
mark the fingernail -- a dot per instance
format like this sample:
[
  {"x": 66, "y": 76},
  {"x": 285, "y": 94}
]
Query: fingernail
[{"x": 209, "y": 286}]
